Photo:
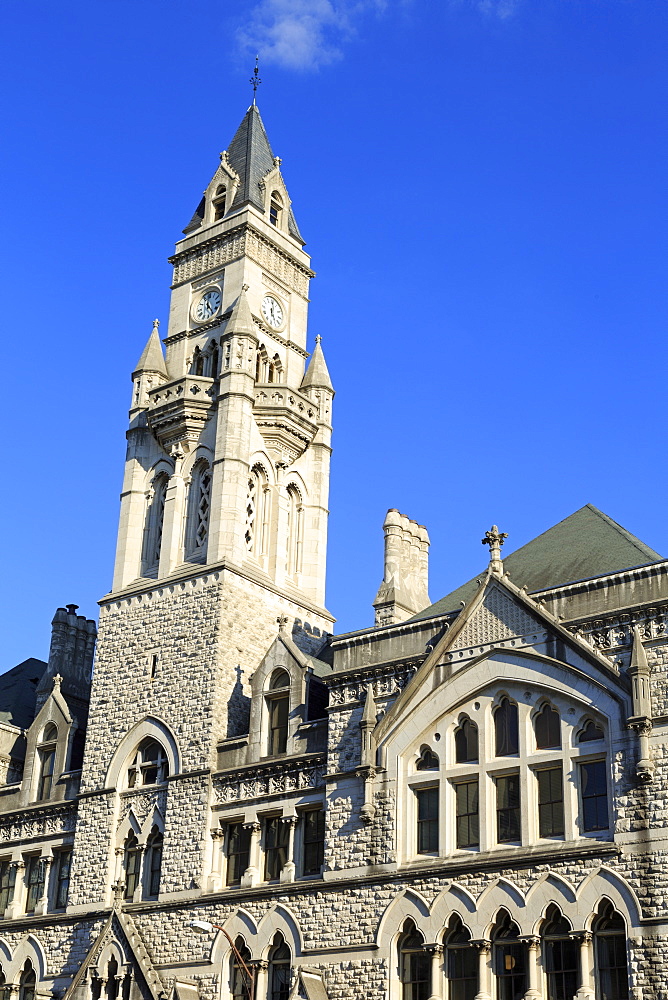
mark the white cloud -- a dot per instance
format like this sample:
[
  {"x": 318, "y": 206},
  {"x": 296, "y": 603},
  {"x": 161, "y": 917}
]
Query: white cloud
[
  {"x": 498, "y": 8},
  {"x": 302, "y": 34}
]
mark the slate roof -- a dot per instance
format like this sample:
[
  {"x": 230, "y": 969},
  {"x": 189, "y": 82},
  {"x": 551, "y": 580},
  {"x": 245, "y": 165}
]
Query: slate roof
[
  {"x": 251, "y": 156},
  {"x": 18, "y": 690},
  {"x": 584, "y": 545}
]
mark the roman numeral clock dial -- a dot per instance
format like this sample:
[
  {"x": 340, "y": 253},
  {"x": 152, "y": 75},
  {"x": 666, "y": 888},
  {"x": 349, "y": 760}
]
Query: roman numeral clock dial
[
  {"x": 272, "y": 310},
  {"x": 207, "y": 306}
]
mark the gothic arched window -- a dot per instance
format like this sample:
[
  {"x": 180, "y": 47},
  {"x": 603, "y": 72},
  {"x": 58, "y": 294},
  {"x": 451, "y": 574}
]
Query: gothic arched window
[
  {"x": 506, "y": 729},
  {"x": 278, "y": 710},
  {"x": 295, "y": 531},
  {"x": 427, "y": 761},
  {"x": 590, "y": 732},
  {"x": 547, "y": 726},
  {"x": 560, "y": 956},
  {"x": 219, "y": 200},
  {"x": 509, "y": 959},
  {"x": 132, "y": 864},
  {"x": 461, "y": 962},
  {"x": 199, "y": 506},
  {"x": 214, "y": 359},
  {"x": 275, "y": 208},
  {"x": 414, "y": 964},
  {"x": 155, "y": 515},
  {"x": 612, "y": 972},
  {"x": 240, "y": 983},
  {"x": 466, "y": 742},
  {"x": 27, "y": 982},
  {"x": 153, "y": 862},
  {"x": 46, "y": 761},
  {"x": 149, "y": 764},
  {"x": 258, "y": 505},
  {"x": 279, "y": 969}
]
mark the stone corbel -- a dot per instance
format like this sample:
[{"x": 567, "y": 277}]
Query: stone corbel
[
  {"x": 642, "y": 727},
  {"x": 368, "y": 810}
]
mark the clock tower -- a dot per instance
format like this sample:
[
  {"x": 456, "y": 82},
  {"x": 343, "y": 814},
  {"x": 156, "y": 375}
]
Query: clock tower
[{"x": 228, "y": 460}]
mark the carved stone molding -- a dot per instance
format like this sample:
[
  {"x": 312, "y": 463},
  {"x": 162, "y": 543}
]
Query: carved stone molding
[{"x": 269, "y": 780}]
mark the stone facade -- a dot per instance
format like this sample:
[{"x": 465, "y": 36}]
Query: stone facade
[{"x": 445, "y": 805}]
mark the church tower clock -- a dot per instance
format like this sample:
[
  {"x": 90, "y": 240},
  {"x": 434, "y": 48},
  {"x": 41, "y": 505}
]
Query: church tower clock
[{"x": 223, "y": 512}]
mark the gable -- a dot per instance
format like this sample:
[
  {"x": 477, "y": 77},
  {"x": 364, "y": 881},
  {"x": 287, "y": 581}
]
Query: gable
[{"x": 497, "y": 617}]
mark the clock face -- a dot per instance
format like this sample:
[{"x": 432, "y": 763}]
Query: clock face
[
  {"x": 208, "y": 305},
  {"x": 272, "y": 311}
]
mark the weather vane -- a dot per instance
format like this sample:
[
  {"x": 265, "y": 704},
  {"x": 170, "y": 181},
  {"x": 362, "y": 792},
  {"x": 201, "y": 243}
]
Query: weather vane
[{"x": 255, "y": 80}]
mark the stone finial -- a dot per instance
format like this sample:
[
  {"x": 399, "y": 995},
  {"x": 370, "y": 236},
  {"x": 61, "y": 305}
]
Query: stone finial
[
  {"x": 495, "y": 539},
  {"x": 57, "y": 681},
  {"x": 282, "y": 621}
]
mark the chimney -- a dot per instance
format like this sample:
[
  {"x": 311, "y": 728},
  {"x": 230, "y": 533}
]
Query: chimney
[
  {"x": 404, "y": 590},
  {"x": 70, "y": 655}
]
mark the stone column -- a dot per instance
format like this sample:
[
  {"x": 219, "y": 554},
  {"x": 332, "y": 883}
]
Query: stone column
[
  {"x": 252, "y": 874},
  {"x": 436, "y": 953},
  {"x": 586, "y": 990},
  {"x": 484, "y": 950},
  {"x": 213, "y": 882},
  {"x": 261, "y": 967},
  {"x": 533, "y": 944},
  {"x": 43, "y": 902},
  {"x": 288, "y": 870},
  {"x": 17, "y": 905}
]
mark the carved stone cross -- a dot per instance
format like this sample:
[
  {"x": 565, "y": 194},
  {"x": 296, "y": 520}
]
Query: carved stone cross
[{"x": 495, "y": 540}]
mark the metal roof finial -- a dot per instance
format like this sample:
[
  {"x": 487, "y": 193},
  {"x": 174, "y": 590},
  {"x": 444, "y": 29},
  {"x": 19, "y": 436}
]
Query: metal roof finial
[{"x": 255, "y": 80}]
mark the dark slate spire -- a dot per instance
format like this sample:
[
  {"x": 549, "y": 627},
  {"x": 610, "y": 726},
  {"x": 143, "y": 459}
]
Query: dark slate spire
[{"x": 251, "y": 156}]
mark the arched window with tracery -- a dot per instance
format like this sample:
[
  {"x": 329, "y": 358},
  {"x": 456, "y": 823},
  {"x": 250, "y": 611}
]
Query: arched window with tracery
[
  {"x": 275, "y": 208},
  {"x": 149, "y": 765},
  {"x": 219, "y": 201},
  {"x": 295, "y": 531},
  {"x": 509, "y": 959},
  {"x": 547, "y": 726},
  {"x": 240, "y": 982},
  {"x": 153, "y": 522},
  {"x": 280, "y": 972},
  {"x": 612, "y": 971},
  {"x": 199, "y": 507},
  {"x": 258, "y": 506},
  {"x": 27, "y": 982},
  {"x": 414, "y": 964},
  {"x": 466, "y": 742},
  {"x": 560, "y": 956},
  {"x": 461, "y": 962},
  {"x": 278, "y": 712},
  {"x": 506, "y": 729},
  {"x": 590, "y": 732},
  {"x": 153, "y": 862}
]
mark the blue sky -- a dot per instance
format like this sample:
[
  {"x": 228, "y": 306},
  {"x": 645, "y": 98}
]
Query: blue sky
[{"x": 482, "y": 187}]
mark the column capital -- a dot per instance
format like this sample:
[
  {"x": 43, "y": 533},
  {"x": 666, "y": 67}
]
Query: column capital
[
  {"x": 433, "y": 949},
  {"x": 253, "y": 827},
  {"x": 532, "y": 940},
  {"x": 584, "y": 937},
  {"x": 484, "y": 945},
  {"x": 261, "y": 964}
]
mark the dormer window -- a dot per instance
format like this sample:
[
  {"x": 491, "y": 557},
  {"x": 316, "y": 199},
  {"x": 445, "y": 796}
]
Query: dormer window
[
  {"x": 278, "y": 705},
  {"x": 275, "y": 209},
  {"x": 219, "y": 202},
  {"x": 46, "y": 754}
]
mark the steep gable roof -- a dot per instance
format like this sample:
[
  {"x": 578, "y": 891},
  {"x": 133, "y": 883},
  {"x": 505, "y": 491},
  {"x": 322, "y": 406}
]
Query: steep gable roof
[
  {"x": 18, "y": 692},
  {"x": 586, "y": 544}
]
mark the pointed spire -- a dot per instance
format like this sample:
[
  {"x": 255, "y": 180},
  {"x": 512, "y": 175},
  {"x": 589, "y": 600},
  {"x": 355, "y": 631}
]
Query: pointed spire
[
  {"x": 316, "y": 374},
  {"x": 152, "y": 359},
  {"x": 241, "y": 319},
  {"x": 638, "y": 655}
]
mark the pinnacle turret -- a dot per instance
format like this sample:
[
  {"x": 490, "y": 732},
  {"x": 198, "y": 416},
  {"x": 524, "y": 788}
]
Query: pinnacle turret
[
  {"x": 152, "y": 358},
  {"x": 241, "y": 318},
  {"x": 316, "y": 374}
]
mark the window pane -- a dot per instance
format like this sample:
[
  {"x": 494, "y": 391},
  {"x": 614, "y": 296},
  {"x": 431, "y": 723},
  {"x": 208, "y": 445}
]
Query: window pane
[
  {"x": 238, "y": 852},
  {"x": 506, "y": 728},
  {"x": 550, "y": 802},
  {"x": 314, "y": 841},
  {"x": 276, "y": 840},
  {"x": 278, "y": 725},
  {"x": 427, "y": 820},
  {"x": 510, "y": 968},
  {"x": 548, "y": 729},
  {"x": 468, "y": 826},
  {"x": 612, "y": 966},
  {"x": 63, "y": 879},
  {"x": 7, "y": 883},
  {"x": 594, "y": 792},
  {"x": 508, "y": 809},
  {"x": 462, "y": 973},
  {"x": 466, "y": 742},
  {"x": 562, "y": 967}
]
